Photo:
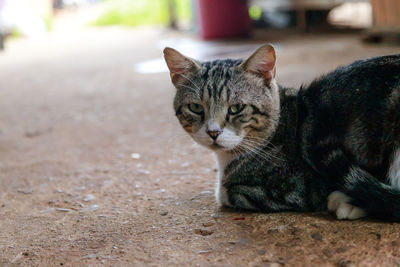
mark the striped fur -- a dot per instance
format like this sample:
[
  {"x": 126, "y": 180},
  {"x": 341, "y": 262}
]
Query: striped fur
[{"x": 331, "y": 145}]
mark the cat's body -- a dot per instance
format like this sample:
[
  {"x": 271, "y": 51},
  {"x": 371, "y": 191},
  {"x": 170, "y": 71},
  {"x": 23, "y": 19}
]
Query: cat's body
[
  {"x": 334, "y": 144},
  {"x": 279, "y": 171}
]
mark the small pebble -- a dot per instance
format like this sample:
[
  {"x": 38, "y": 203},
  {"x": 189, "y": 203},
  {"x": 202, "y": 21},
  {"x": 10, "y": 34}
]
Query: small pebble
[
  {"x": 203, "y": 232},
  {"x": 135, "y": 155},
  {"x": 261, "y": 251},
  {"x": 25, "y": 191},
  {"x": 98, "y": 256},
  {"x": 90, "y": 256},
  {"x": 207, "y": 170},
  {"x": 341, "y": 250},
  {"x": 205, "y": 251},
  {"x": 216, "y": 215},
  {"x": 88, "y": 197},
  {"x": 108, "y": 182},
  {"x": 46, "y": 210},
  {"x": 163, "y": 213},
  {"x": 345, "y": 263},
  {"x": 317, "y": 236},
  {"x": 90, "y": 208},
  {"x": 327, "y": 252},
  {"x": 33, "y": 133},
  {"x": 160, "y": 191},
  {"x": 208, "y": 223},
  {"x": 185, "y": 164},
  {"x": 139, "y": 165},
  {"x": 63, "y": 210}
]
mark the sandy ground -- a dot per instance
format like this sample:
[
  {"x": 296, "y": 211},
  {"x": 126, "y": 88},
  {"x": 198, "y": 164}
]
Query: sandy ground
[{"x": 72, "y": 112}]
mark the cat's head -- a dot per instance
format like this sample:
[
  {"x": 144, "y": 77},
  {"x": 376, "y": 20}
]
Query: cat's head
[{"x": 226, "y": 105}]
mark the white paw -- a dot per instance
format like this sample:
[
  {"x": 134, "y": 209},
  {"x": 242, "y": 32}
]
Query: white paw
[
  {"x": 338, "y": 203},
  {"x": 221, "y": 194}
]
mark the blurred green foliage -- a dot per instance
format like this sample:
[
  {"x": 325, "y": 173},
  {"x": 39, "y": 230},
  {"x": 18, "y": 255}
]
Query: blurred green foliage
[
  {"x": 255, "y": 12},
  {"x": 15, "y": 33},
  {"x": 48, "y": 20},
  {"x": 132, "y": 13}
]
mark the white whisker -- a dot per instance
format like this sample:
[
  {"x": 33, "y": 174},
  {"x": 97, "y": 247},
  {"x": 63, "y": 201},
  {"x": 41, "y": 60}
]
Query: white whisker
[
  {"x": 190, "y": 80},
  {"x": 262, "y": 153}
]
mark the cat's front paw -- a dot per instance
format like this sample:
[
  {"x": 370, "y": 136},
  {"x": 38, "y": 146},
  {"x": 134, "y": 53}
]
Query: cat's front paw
[
  {"x": 221, "y": 195},
  {"x": 237, "y": 198},
  {"x": 243, "y": 197},
  {"x": 338, "y": 203}
]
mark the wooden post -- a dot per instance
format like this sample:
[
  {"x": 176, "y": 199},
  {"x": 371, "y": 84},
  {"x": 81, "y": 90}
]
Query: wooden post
[
  {"x": 386, "y": 28},
  {"x": 301, "y": 20},
  {"x": 1, "y": 41},
  {"x": 386, "y": 14},
  {"x": 1, "y": 28}
]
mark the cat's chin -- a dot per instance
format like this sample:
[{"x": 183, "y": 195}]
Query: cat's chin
[{"x": 218, "y": 148}]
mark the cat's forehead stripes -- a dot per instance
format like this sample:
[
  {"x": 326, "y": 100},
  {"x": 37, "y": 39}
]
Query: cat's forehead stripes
[{"x": 217, "y": 75}]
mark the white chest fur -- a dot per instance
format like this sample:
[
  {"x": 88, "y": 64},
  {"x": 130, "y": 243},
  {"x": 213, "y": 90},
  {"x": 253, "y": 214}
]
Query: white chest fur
[{"x": 221, "y": 194}]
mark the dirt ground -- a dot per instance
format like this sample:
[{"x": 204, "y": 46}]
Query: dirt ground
[{"x": 95, "y": 170}]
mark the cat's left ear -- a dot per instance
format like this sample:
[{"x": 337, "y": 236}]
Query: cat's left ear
[
  {"x": 262, "y": 63},
  {"x": 179, "y": 65}
]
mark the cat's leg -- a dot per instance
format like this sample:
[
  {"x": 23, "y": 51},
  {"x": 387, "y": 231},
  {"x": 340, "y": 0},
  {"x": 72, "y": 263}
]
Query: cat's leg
[
  {"x": 339, "y": 203},
  {"x": 238, "y": 197},
  {"x": 332, "y": 163},
  {"x": 221, "y": 194},
  {"x": 244, "y": 197},
  {"x": 257, "y": 198}
]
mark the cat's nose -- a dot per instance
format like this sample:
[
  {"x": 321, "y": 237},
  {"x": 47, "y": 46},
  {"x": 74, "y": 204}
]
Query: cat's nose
[{"x": 214, "y": 134}]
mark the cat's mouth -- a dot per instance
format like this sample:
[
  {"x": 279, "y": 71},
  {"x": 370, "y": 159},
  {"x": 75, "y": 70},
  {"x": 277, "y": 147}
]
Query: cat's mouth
[{"x": 216, "y": 146}]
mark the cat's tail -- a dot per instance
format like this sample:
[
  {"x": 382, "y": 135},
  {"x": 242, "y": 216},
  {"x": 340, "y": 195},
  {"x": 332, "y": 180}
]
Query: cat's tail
[{"x": 375, "y": 198}]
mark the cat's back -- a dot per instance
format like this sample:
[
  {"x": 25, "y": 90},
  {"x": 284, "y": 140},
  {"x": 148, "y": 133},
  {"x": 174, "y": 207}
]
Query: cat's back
[
  {"x": 360, "y": 83},
  {"x": 355, "y": 107},
  {"x": 382, "y": 67}
]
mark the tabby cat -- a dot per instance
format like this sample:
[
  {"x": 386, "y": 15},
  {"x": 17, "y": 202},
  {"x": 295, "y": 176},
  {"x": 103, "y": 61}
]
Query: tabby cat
[{"x": 334, "y": 144}]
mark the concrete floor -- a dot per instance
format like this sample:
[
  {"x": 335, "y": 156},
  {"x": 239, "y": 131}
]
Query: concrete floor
[{"x": 73, "y": 110}]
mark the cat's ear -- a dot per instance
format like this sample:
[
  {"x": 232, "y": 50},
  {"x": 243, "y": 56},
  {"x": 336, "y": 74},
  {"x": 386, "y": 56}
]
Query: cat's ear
[
  {"x": 262, "y": 63},
  {"x": 179, "y": 65}
]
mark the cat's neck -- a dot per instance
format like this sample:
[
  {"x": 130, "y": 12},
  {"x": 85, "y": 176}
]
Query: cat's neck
[
  {"x": 286, "y": 132},
  {"x": 223, "y": 159}
]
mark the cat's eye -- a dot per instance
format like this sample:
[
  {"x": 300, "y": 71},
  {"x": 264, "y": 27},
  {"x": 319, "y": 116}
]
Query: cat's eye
[
  {"x": 196, "y": 108},
  {"x": 235, "y": 109}
]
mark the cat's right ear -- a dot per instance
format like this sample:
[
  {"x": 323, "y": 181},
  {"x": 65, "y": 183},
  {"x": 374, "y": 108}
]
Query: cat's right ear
[{"x": 179, "y": 65}]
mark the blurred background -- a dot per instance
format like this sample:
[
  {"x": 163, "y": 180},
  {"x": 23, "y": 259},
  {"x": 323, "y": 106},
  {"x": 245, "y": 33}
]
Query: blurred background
[
  {"x": 94, "y": 167},
  {"x": 200, "y": 26},
  {"x": 374, "y": 20},
  {"x": 204, "y": 18}
]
